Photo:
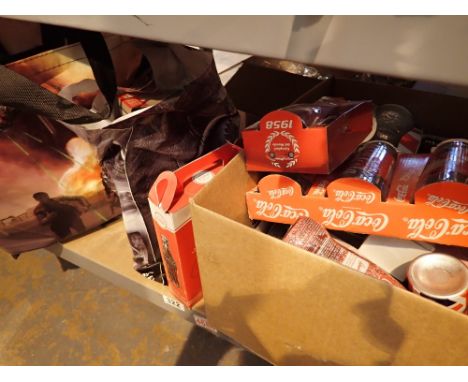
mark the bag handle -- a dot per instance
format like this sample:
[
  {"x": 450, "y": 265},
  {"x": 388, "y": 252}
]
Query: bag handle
[
  {"x": 21, "y": 93},
  {"x": 99, "y": 58}
]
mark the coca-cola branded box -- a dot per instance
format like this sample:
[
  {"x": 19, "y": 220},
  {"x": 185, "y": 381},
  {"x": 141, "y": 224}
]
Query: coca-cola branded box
[
  {"x": 434, "y": 212},
  {"x": 169, "y": 201},
  {"x": 308, "y": 138},
  {"x": 391, "y": 203}
]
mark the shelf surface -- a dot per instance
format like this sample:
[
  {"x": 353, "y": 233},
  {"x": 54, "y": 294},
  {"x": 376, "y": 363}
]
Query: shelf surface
[
  {"x": 428, "y": 48},
  {"x": 107, "y": 254}
]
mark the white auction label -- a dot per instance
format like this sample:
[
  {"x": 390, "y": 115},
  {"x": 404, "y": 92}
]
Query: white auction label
[{"x": 174, "y": 303}]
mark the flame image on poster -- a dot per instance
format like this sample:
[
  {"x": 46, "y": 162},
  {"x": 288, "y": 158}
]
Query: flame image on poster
[{"x": 84, "y": 177}]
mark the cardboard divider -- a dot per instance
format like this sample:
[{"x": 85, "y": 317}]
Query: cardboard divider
[{"x": 438, "y": 214}]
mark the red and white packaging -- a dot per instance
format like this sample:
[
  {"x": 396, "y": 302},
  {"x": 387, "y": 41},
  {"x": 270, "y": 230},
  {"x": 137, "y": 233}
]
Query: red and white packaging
[
  {"x": 313, "y": 237},
  {"x": 410, "y": 142},
  {"x": 130, "y": 102},
  {"x": 405, "y": 178},
  {"x": 308, "y": 138},
  {"x": 435, "y": 212},
  {"x": 169, "y": 199}
]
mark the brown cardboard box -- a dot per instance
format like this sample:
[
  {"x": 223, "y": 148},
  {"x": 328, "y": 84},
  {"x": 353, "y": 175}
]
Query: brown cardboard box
[{"x": 293, "y": 308}]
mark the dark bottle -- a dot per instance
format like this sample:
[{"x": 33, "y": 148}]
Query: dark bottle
[{"x": 393, "y": 121}]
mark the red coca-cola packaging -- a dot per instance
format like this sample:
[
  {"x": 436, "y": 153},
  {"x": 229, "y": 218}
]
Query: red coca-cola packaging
[
  {"x": 413, "y": 196},
  {"x": 308, "y": 138},
  {"x": 313, "y": 237},
  {"x": 410, "y": 142},
  {"x": 169, "y": 201}
]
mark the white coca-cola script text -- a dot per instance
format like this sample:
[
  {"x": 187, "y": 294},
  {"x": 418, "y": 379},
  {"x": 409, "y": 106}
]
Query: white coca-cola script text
[
  {"x": 432, "y": 229},
  {"x": 279, "y": 192},
  {"x": 343, "y": 218},
  {"x": 352, "y": 196},
  {"x": 440, "y": 202},
  {"x": 276, "y": 210}
]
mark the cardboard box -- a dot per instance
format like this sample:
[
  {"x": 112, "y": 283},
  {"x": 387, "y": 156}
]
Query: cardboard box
[
  {"x": 290, "y": 307},
  {"x": 284, "y": 142},
  {"x": 169, "y": 202}
]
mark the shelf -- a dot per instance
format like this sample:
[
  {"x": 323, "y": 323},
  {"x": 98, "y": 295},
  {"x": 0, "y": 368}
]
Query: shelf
[
  {"x": 428, "y": 48},
  {"x": 107, "y": 254}
]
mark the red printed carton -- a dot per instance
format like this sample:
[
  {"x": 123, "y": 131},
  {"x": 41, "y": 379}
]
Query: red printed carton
[
  {"x": 169, "y": 201},
  {"x": 435, "y": 213},
  {"x": 308, "y": 138}
]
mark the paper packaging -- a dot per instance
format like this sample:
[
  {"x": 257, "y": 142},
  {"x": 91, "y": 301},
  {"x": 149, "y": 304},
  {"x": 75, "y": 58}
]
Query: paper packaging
[
  {"x": 292, "y": 308},
  {"x": 313, "y": 237},
  {"x": 355, "y": 205},
  {"x": 393, "y": 255},
  {"x": 309, "y": 138},
  {"x": 410, "y": 142},
  {"x": 426, "y": 109},
  {"x": 169, "y": 201}
]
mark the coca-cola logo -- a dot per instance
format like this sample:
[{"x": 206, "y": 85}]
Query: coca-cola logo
[
  {"x": 343, "y": 218},
  {"x": 352, "y": 196},
  {"x": 276, "y": 210},
  {"x": 433, "y": 229},
  {"x": 402, "y": 192},
  {"x": 279, "y": 192},
  {"x": 440, "y": 202}
]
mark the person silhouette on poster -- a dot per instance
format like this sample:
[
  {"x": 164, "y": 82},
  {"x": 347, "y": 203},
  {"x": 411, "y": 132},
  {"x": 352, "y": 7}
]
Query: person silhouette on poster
[
  {"x": 170, "y": 262},
  {"x": 59, "y": 214}
]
